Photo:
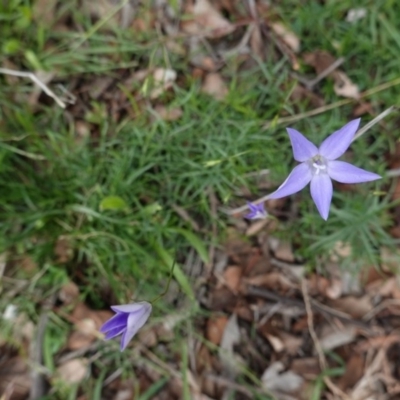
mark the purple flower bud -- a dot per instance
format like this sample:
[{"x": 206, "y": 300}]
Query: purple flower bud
[
  {"x": 257, "y": 211},
  {"x": 129, "y": 318}
]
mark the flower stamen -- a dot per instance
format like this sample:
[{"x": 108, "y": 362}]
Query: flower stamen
[{"x": 318, "y": 168}]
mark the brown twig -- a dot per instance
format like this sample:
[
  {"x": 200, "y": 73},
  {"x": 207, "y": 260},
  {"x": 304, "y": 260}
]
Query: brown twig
[
  {"x": 309, "y": 84},
  {"x": 320, "y": 110},
  {"x": 38, "y": 385},
  {"x": 324, "y": 310},
  {"x": 214, "y": 230},
  {"x": 320, "y": 352}
]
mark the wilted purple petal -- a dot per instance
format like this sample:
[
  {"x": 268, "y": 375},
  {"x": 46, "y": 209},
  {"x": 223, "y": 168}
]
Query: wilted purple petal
[
  {"x": 303, "y": 149},
  {"x": 115, "y": 322},
  {"x": 344, "y": 172},
  {"x": 135, "y": 322},
  {"x": 256, "y": 211},
  {"x": 336, "y": 144},
  {"x": 321, "y": 192},
  {"x": 297, "y": 180}
]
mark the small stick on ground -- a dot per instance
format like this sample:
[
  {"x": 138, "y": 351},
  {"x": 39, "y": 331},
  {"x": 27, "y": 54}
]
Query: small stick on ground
[
  {"x": 320, "y": 110},
  {"x": 393, "y": 173},
  {"x": 370, "y": 124},
  {"x": 309, "y": 84},
  {"x": 35, "y": 80},
  {"x": 213, "y": 207},
  {"x": 320, "y": 352}
]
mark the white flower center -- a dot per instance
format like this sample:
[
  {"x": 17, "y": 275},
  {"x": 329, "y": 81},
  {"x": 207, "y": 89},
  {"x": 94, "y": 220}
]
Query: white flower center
[{"x": 318, "y": 165}]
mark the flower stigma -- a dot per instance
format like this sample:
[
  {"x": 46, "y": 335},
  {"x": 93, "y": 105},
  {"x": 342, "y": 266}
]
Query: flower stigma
[{"x": 318, "y": 164}]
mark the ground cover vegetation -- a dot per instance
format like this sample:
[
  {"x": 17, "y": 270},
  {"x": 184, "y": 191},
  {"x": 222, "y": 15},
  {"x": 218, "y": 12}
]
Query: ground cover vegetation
[{"x": 144, "y": 126}]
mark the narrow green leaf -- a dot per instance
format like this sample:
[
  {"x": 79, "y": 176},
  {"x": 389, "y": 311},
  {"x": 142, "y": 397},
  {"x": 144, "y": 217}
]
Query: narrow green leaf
[{"x": 194, "y": 241}]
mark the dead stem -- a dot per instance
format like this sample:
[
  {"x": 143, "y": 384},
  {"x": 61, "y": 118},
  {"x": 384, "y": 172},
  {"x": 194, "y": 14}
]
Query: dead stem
[
  {"x": 35, "y": 80},
  {"x": 320, "y": 110},
  {"x": 320, "y": 352}
]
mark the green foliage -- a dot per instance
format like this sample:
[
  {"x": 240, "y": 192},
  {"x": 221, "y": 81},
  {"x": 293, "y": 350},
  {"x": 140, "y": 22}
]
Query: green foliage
[{"x": 112, "y": 195}]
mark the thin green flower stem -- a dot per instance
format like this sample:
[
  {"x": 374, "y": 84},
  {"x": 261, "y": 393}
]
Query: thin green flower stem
[{"x": 167, "y": 287}]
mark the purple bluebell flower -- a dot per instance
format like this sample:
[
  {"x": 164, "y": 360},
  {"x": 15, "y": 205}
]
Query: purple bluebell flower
[
  {"x": 129, "y": 318},
  {"x": 257, "y": 211},
  {"x": 319, "y": 166}
]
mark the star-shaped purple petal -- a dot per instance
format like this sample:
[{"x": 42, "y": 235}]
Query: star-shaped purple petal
[{"x": 319, "y": 166}]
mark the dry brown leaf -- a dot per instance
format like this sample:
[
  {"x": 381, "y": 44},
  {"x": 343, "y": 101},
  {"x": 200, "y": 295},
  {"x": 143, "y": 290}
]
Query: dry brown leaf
[
  {"x": 333, "y": 337},
  {"x": 275, "y": 342},
  {"x": 309, "y": 368},
  {"x": 73, "y": 371},
  {"x": 199, "y": 57},
  {"x": 289, "y": 37},
  {"x": 291, "y": 343},
  {"x": 345, "y": 87},
  {"x": 257, "y": 226},
  {"x": 276, "y": 380},
  {"x": 378, "y": 342},
  {"x": 84, "y": 334},
  {"x": 390, "y": 260},
  {"x": 104, "y": 9},
  {"x": 16, "y": 375},
  {"x": 43, "y": 11},
  {"x": 99, "y": 86},
  {"x": 300, "y": 93},
  {"x": 334, "y": 291},
  {"x": 87, "y": 323},
  {"x": 340, "y": 250},
  {"x": 357, "y": 307},
  {"x": 68, "y": 292},
  {"x": 148, "y": 337},
  {"x": 222, "y": 298},
  {"x": 28, "y": 264},
  {"x": 124, "y": 394},
  {"x": 272, "y": 280},
  {"x": 215, "y": 328},
  {"x": 321, "y": 60},
  {"x": 284, "y": 251},
  {"x": 26, "y": 328},
  {"x": 82, "y": 130},
  {"x": 363, "y": 108},
  {"x": 214, "y": 86},
  {"x": 207, "y": 21},
  {"x": 256, "y": 42},
  {"x": 163, "y": 80},
  {"x": 63, "y": 250},
  {"x": 354, "y": 371},
  {"x": 168, "y": 114},
  {"x": 232, "y": 276},
  {"x": 230, "y": 338}
]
